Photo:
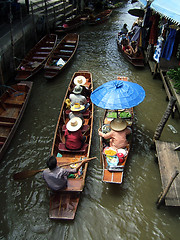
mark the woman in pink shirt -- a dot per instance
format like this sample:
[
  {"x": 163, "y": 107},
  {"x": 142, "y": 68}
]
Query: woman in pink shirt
[{"x": 118, "y": 133}]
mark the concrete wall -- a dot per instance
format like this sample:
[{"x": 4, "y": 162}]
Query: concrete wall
[{"x": 21, "y": 36}]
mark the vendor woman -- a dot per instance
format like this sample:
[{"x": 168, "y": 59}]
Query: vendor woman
[{"x": 118, "y": 133}]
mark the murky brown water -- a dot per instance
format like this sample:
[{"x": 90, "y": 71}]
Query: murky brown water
[{"x": 126, "y": 212}]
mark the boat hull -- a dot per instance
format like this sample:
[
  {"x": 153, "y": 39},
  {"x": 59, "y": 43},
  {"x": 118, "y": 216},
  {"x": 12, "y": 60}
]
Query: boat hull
[
  {"x": 12, "y": 107},
  {"x": 63, "y": 205}
]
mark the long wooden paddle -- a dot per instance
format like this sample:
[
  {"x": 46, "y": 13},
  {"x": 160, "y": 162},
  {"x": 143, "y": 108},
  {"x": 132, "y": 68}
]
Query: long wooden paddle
[
  {"x": 101, "y": 145},
  {"x": 29, "y": 173}
]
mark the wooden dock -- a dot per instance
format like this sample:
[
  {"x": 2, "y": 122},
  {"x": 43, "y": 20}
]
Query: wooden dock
[{"x": 169, "y": 163}]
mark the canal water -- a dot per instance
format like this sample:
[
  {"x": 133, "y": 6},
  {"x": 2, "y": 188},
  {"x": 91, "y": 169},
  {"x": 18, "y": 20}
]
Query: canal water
[{"x": 125, "y": 212}]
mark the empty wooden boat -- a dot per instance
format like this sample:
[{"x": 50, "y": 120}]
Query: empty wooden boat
[
  {"x": 72, "y": 24},
  {"x": 61, "y": 55},
  {"x": 100, "y": 17},
  {"x": 63, "y": 205},
  {"x": 12, "y": 106},
  {"x": 36, "y": 57}
]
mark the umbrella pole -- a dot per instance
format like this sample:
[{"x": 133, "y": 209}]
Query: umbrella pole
[{"x": 117, "y": 113}]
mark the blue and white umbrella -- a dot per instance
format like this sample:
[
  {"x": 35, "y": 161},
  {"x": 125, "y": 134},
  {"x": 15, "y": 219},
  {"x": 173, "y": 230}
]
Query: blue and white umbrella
[{"x": 118, "y": 94}]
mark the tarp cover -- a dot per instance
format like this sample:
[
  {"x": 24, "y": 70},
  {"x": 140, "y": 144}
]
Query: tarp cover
[{"x": 169, "y": 9}]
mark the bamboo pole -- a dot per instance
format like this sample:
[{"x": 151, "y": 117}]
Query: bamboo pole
[{"x": 162, "y": 196}]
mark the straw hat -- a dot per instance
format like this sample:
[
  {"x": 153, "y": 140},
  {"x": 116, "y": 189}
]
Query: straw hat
[
  {"x": 81, "y": 80},
  {"x": 77, "y": 107},
  {"x": 74, "y": 124},
  {"x": 77, "y": 89},
  {"x": 118, "y": 124}
]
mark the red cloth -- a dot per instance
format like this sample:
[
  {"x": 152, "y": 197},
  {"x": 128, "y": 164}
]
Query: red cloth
[
  {"x": 73, "y": 139},
  {"x": 154, "y": 29},
  {"x": 126, "y": 47}
]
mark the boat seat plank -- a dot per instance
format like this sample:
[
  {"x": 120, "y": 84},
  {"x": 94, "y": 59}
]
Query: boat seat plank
[
  {"x": 113, "y": 177},
  {"x": 63, "y": 148},
  {"x": 43, "y": 53},
  {"x": 6, "y": 124},
  {"x": 71, "y": 42},
  {"x": 74, "y": 185},
  {"x": 46, "y": 48},
  {"x": 63, "y": 205},
  {"x": 14, "y": 102},
  {"x": 84, "y": 128},
  {"x": 7, "y": 119},
  {"x": 85, "y": 114},
  {"x": 38, "y": 58}
]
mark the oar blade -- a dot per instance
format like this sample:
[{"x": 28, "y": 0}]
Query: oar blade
[{"x": 25, "y": 174}]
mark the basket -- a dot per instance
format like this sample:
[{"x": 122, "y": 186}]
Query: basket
[{"x": 112, "y": 161}]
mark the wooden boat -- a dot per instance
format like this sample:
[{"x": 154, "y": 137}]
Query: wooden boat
[
  {"x": 63, "y": 205},
  {"x": 136, "y": 61},
  {"x": 114, "y": 174},
  {"x": 12, "y": 106},
  {"x": 61, "y": 55},
  {"x": 72, "y": 24},
  {"x": 36, "y": 57},
  {"x": 100, "y": 18}
]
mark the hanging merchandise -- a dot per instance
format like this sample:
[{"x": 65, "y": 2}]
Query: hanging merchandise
[
  {"x": 169, "y": 44},
  {"x": 158, "y": 50},
  {"x": 154, "y": 29}
]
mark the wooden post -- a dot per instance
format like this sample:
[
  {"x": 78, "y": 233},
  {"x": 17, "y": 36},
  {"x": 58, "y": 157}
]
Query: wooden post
[
  {"x": 24, "y": 49},
  {"x": 1, "y": 73},
  {"x": 34, "y": 26},
  {"x": 155, "y": 70},
  {"x": 164, "y": 119},
  {"x": 46, "y": 14},
  {"x": 163, "y": 194},
  {"x": 12, "y": 41},
  {"x": 55, "y": 20}
]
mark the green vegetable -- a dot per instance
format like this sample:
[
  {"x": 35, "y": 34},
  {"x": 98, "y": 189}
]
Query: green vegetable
[{"x": 174, "y": 74}]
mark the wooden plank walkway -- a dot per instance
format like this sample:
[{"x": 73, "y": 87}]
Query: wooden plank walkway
[{"x": 169, "y": 162}]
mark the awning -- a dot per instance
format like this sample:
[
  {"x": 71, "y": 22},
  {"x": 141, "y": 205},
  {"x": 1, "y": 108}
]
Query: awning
[{"x": 169, "y": 9}]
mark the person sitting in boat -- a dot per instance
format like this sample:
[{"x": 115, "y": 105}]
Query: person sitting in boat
[
  {"x": 134, "y": 48},
  {"x": 76, "y": 111},
  {"x": 81, "y": 80},
  {"x": 118, "y": 133},
  {"x": 126, "y": 47},
  {"x": 77, "y": 97},
  {"x": 74, "y": 138},
  {"x": 56, "y": 177},
  {"x": 124, "y": 29}
]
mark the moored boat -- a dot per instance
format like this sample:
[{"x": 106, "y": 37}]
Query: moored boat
[
  {"x": 13, "y": 103},
  {"x": 63, "y": 205},
  {"x": 72, "y": 24},
  {"x": 100, "y": 17},
  {"x": 36, "y": 57},
  {"x": 137, "y": 60},
  {"x": 61, "y": 55}
]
